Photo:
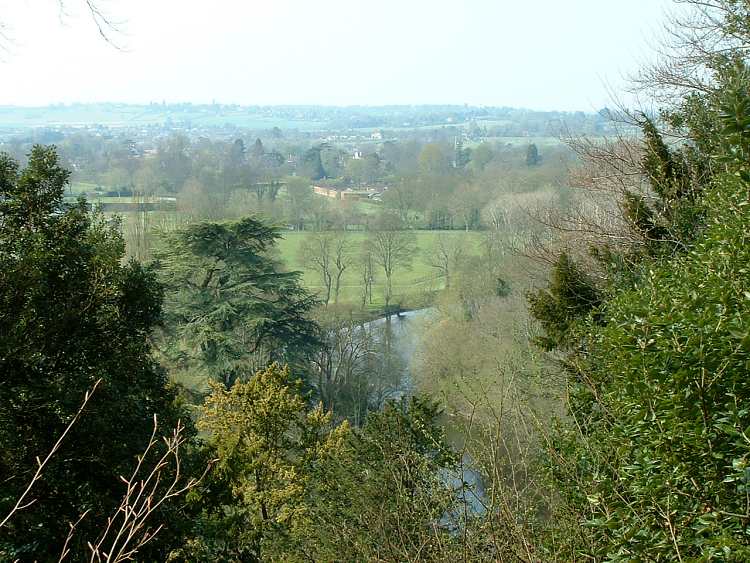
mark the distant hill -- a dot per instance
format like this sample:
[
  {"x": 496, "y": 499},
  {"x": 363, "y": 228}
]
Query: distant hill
[{"x": 508, "y": 121}]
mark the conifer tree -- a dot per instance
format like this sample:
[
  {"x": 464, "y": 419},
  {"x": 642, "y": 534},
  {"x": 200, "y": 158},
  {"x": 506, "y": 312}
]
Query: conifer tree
[
  {"x": 230, "y": 309},
  {"x": 71, "y": 313}
]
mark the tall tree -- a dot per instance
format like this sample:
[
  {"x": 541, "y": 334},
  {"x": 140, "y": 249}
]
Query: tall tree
[
  {"x": 392, "y": 247},
  {"x": 366, "y": 270},
  {"x": 71, "y": 312},
  {"x": 403, "y": 198},
  {"x": 174, "y": 162},
  {"x": 299, "y": 198},
  {"x": 481, "y": 156},
  {"x": 432, "y": 160},
  {"x": 445, "y": 254},
  {"x": 267, "y": 441},
  {"x": 342, "y": 259},
  {"x": 532, "y": 155},
  {"x": 258, "y": 149},
  {"x": 230, "y": 308},
  {"x": 328, "y": 253},
  {"x": 316, "y": 253},
  {"x": 312, "y": 165}
]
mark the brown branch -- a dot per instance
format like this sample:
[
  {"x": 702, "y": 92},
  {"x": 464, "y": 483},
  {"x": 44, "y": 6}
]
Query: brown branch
[
  {"x": 126, "y": 531},
  {"x": 22, "y": 503}
]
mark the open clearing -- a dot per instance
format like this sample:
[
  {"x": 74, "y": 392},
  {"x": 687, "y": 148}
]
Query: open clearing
[{"x": 409, "y": 285}]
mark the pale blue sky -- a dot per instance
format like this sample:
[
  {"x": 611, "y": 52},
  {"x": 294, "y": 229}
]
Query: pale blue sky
[{"x": 540, "y": 54}]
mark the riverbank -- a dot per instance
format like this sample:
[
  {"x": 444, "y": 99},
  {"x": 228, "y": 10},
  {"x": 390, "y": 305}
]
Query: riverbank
[{"x": 375, "y": 312}]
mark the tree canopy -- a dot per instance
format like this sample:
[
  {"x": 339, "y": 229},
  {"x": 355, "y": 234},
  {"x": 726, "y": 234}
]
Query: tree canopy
[
  {"x": 230, "y": 309},
  {"x": 71, "y": 313}
]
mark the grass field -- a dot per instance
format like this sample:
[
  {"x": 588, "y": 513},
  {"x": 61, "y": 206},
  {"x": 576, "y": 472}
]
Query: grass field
[
  {"x": 525, "y": 141},
  {"x": 410, "y": 286}
]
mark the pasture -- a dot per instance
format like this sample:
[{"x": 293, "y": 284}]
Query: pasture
[{"x": 411, "y": 286}]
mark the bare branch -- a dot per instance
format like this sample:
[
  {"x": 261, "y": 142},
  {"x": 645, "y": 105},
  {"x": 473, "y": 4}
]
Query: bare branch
[
  {"x": 107, "y": 27},
  {"x": 22, "y": 503},
  {"x": 127, "y": 529}
]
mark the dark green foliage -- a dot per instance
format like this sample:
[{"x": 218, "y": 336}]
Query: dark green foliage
[
  {"x": 664, "y": 410},
  {"x": 70, "y": 313},
  {"x": 570, "y": 296},
  {"x": 698, "y": 117},
  {"x": 643, "y": 219},
  {"x": 668, "y": 219},
  {"x": 258, "y": 149},
  {"x": 666, "y": 173},
  {"x": 533, "y": 157},
  {"x": 312, "y": 165},
  {"x": 655, "y": 464},
  {"x": 502, "y": 287},
  {"x": 230, "y": 309},
  {"x": 734, "y": 118}
]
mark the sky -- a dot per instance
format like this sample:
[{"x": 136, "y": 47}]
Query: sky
[{"x": 537, "y": 54}]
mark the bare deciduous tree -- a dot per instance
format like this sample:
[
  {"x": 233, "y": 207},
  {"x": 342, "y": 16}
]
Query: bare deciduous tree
[
  {"x": 366, "y": 274},
  {"x": 341, "y": 368},
  {"x": 445, "y": 254},
  {"x": 392, "y": 247},
  {"x": 697, "y": 36},
  {"x": 701, "y": 39},
  {"x": 342, "y": 259},
  {"x": 316, "y": 253}
]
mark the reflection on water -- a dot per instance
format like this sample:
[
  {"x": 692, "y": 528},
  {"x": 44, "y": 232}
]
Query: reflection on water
[
  {"x": 400, "y": 339},
  {"x": 361, "y": 366}
]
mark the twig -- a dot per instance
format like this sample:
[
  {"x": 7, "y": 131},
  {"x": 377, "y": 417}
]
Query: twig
[{"x": 21, "y": 503}]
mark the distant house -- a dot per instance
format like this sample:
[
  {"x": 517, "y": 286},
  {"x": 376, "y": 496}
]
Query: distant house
[
  {"x": 327, "y": 192},
  {"x": 377, "y": 136},
  {"x": 357, "y": 154},
  {"x": 363, "y": 193},
  {"x": 349, "y": 193}
]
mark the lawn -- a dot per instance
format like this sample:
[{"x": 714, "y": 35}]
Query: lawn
[{"x": 411, "y": 286}]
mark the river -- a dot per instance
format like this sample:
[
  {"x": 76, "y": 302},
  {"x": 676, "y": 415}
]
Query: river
[{"x": 405, "y": 333}]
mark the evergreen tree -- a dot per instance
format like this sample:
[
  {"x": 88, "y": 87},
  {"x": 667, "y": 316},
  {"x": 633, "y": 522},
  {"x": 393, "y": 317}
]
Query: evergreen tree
[
  {"x": 258, "y": 149},
  {"x": 312, "y": 165},
  {"x": 532, "y": 155},
  {"x": 71, "y": 312},
  {"x": 237, "y": 152},
  {"x": 267, "y": 441},
  {"x": 654, "y": 463},
  {"x": 230, "y": 308},
  {"x": 570, "y": 296}
]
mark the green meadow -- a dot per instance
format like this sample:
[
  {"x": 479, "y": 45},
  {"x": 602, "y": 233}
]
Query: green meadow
[{"x": 412, "y": 286}]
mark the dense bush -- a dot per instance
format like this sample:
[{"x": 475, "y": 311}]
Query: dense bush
[{"x": 653, "y": 462}]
